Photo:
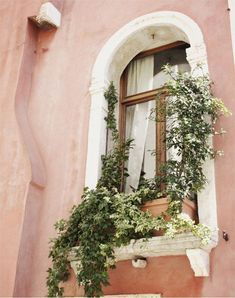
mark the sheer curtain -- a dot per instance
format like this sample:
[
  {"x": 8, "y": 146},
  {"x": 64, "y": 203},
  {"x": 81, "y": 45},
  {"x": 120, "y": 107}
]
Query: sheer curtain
[{"x": 140, "y": 79}]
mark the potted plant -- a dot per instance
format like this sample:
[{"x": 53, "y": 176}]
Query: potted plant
[
  {"x": 159, "y": 206},
  {"x": 108, "y": 218}
]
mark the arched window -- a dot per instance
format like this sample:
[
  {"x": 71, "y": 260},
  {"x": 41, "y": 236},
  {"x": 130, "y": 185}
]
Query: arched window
[
  {"x": 141, "y": 83},
  {"x": 147, "y": 32}
]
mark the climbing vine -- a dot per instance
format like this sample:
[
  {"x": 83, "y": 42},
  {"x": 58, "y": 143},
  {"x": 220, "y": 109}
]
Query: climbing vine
[
  {"x": 108, "y": 218},
  {"x": 191, "y": 111}
]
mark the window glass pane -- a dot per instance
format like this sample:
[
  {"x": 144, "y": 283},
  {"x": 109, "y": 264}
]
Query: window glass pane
[{"x": 175, "y": 57}]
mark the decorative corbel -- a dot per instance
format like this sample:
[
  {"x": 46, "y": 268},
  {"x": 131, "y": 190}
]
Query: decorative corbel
[
  {"x": 199, "y": 260},
  {"x": 49, "y": 17}
]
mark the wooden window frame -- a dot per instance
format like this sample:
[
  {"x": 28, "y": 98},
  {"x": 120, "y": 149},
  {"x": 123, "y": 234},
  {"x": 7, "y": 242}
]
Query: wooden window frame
[{"x": 137, "y": 98}]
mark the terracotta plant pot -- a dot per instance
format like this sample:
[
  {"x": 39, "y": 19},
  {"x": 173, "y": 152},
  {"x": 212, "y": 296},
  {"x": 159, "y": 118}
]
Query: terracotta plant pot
[{"x": 158, "y": 206}]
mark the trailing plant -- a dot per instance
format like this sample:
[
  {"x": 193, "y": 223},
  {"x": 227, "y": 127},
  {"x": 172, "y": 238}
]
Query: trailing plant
[{"x": 108, "y": 217}]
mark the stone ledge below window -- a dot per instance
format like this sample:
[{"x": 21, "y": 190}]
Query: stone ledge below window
[{"x": 182, "y": 244}]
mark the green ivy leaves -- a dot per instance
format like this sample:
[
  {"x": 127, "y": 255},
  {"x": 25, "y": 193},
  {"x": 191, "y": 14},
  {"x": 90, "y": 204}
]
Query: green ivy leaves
[
  {"x": 108, "y": 218},
  {"x": 191, "y": 110}
]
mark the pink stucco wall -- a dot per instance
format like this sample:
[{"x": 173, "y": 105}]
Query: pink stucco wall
[{"x": 49, "y": 73}]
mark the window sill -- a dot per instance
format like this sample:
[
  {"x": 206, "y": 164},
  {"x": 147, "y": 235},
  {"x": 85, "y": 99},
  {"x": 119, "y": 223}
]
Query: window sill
[{"x": 182, "y": 244}]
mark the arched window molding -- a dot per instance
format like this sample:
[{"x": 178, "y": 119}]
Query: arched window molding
[
  {"x": 231, "y": 6},
  {"x": 148, "y": 31}
]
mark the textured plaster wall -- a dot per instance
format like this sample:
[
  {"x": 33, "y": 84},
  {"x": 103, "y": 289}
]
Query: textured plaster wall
[
  {"x": 58, "y": 104},
  {"x": 14, "y": 163}
]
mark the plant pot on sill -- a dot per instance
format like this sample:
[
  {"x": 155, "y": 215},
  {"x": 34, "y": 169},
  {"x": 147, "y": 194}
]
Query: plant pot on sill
[{"x": 158, "y": 206}]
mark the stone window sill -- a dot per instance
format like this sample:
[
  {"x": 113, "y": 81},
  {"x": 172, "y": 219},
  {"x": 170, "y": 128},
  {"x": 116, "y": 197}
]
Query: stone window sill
[{"x": 182, "y": 244}]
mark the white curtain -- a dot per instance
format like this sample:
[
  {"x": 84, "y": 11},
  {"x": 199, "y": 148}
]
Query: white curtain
[{"x": 140, "y": 79}]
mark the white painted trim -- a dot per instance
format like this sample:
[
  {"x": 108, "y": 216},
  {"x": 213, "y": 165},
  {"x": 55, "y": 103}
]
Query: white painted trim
[
  {"x": 171, "y": 18},
  {"x": 231, "y": 5},
  {"x": 111, "y": 61}
]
